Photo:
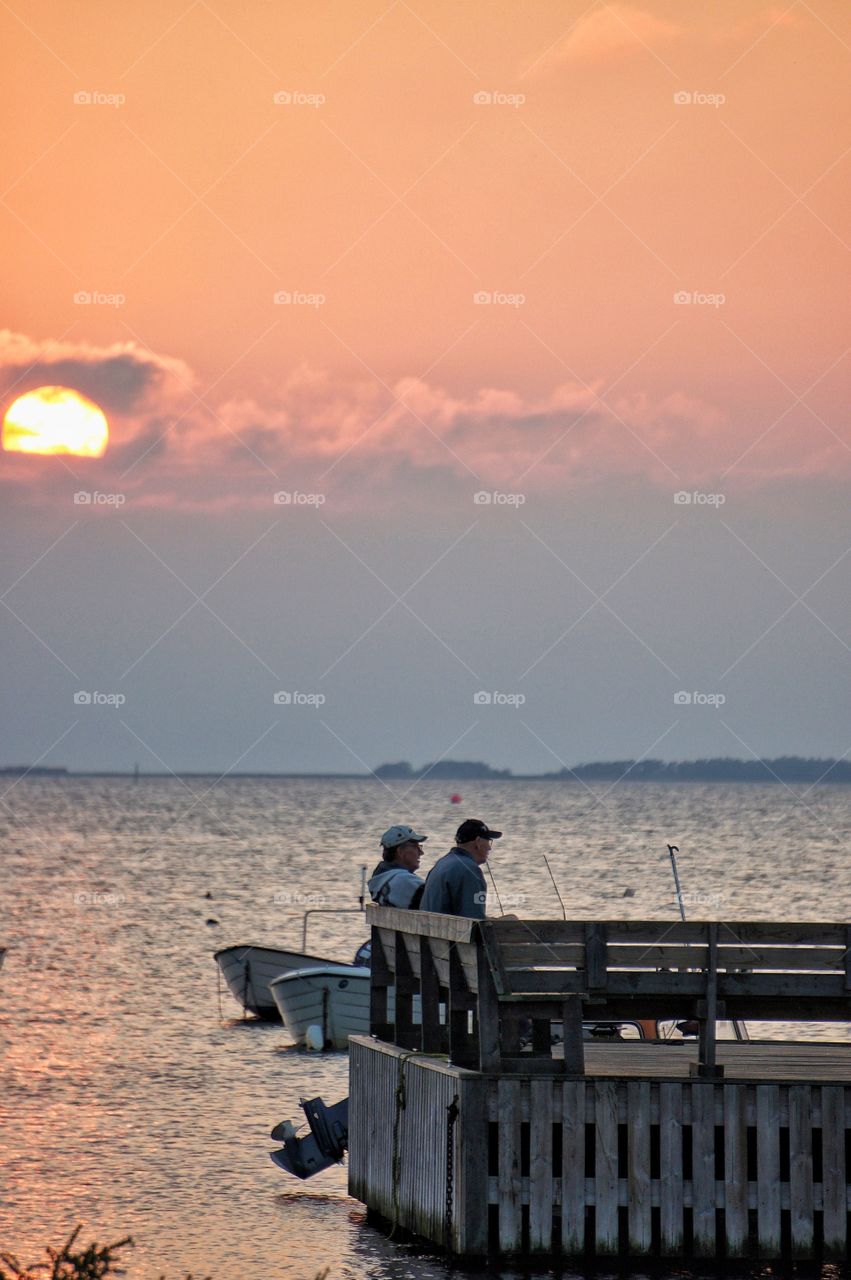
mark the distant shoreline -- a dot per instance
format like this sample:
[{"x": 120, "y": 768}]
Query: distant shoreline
[{"x": 782, "y": 770}]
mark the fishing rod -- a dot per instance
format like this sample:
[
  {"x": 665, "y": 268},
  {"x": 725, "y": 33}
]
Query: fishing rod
[
  {"x": 496, "y": 891},
  {"x": 555, "y": 886},
  {"x": 739, "y": 1027},
  {"x": 673, "y": 850}
]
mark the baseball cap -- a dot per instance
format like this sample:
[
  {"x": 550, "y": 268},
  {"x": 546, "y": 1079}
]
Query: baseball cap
[
  {"x": 400, "y": 835},
  {"x": 474, "y": 829}
]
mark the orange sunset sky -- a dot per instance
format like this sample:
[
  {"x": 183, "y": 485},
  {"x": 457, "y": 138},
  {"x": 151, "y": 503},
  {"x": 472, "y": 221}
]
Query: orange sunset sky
[{"x": 398, "y": 254}]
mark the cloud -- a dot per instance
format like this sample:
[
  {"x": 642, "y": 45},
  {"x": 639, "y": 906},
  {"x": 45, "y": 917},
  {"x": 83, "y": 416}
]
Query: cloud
[
  {"x": 610, "y": 32},
  {"x": 614, "y": 31},
  {"x": 368, "y": 444},
  {"x": 119, "y": 378}
]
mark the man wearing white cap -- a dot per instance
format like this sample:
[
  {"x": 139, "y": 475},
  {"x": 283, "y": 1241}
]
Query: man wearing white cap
[{"x": 393, "y": 883}]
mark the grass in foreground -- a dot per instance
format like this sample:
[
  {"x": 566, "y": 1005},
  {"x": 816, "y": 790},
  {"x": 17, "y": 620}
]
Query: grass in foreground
[{"x": 93, "y": 1263}]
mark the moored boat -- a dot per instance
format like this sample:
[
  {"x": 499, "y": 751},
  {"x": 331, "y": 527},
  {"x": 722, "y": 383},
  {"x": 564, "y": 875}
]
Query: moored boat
[
  {"x": 249, "y": 969},
  {"x": 321, "y": 1005}
]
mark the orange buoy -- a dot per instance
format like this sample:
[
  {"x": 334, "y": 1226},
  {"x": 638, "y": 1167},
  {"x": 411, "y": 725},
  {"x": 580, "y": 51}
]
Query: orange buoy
[{"x": 455, "y": 798}]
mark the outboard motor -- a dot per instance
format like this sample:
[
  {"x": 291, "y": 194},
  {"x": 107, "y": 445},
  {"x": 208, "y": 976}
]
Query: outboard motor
[{"x": 323, "y": 1146}]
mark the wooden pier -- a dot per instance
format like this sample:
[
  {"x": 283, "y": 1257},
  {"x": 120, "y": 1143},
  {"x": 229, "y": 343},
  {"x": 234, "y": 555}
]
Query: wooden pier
[{"x": 464, "y": 1137}]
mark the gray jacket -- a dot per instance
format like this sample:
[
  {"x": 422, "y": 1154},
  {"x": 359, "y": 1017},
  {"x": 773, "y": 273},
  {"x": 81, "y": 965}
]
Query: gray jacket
[
  {"x": 455, "y": 886},
  {"x": 393, "y": 886}
]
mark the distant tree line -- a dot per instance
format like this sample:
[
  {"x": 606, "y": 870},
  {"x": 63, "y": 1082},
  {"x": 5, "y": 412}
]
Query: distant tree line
[{"x": 715, "y": 769}]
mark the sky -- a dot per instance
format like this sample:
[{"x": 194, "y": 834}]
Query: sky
[{"x": 476, "y": 378}]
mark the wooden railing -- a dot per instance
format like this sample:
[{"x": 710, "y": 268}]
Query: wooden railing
[{"x": 505, "y": 981}]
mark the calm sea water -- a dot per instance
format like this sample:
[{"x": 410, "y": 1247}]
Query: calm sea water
[{"x": 130, "y": 1103}]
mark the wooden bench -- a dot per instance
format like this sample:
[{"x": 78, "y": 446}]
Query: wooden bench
[{"x": 503, "y": 977}]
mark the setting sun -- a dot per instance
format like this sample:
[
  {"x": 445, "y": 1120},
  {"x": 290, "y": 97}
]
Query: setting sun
[{"x": 55, "y": 420}]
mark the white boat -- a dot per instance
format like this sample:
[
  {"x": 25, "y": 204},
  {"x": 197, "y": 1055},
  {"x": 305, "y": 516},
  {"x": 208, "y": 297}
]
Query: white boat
[
  {"x": 322, "y": 1005},
  {"x": 249, "y": 969}
]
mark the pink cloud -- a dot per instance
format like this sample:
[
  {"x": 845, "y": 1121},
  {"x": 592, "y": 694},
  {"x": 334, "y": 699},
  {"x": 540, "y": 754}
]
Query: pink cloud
[
  {"x": 612, "y": 31},
  {"x": 362, "y": 441}
]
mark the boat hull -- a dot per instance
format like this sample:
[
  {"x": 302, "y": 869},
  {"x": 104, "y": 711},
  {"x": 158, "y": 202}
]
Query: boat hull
[
  {"x": 249, "y": 969},
  {"x": 334, "y": 998}
]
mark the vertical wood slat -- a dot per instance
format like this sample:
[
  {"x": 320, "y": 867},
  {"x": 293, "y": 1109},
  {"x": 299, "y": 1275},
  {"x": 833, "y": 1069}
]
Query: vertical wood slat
[
  {"x": 463, "y": 1049},
  {"x": 671, "y": 1167},
  {"x": 573, "y": 1167},
  {"x": 801, "y": 1169},
  {"x": 510, "y": 1219},
  {"x": 471, "y": 1147},
  {"x": 380, "y": 978},
  {"x": 488, "y": 1014},
  {"x": 432, "y": 1033},
  {"x": 703, "y": 1167},
  {"x": 541, "y": 1165},
  {"x": 735, "y": 1169},
  {"x": 606, "y": 1171},
  {"x": 407, "y": 984},
  {"x": 638, "y": 1148},
  {"x": 768, "y": 1168},
  {"x": 574, "y": 1052},
  {"x": 834, "y": 1172}
]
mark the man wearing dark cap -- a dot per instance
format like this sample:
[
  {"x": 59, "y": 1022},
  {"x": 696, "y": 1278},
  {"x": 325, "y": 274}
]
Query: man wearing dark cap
[{"x": 455, "y": 886}]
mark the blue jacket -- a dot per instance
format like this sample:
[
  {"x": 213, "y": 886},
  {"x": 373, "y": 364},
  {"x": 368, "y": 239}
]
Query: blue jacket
[{"x": 455, "y": 886}]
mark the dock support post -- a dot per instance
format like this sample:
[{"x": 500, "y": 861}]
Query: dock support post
[{"x": 707, "y": 1066}]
